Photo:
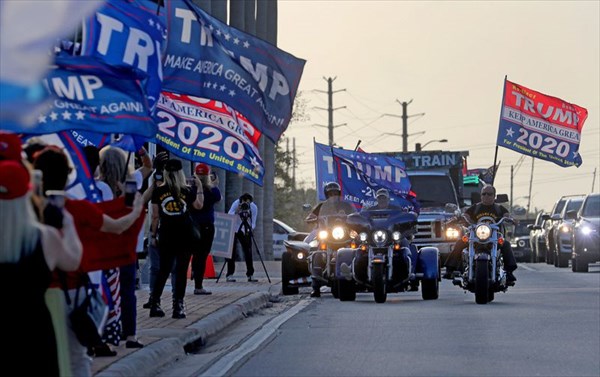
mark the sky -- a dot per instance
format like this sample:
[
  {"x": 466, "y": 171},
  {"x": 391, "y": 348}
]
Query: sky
[{"x": 450, "y": 59}]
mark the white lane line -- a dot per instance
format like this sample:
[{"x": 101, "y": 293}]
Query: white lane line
[
  {"x": 223, "y": 365},
  {"x": 525, "y": 267}
]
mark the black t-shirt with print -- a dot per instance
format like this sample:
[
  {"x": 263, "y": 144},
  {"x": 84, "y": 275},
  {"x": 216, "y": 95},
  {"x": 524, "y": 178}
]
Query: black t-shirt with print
[
  {"x": 481, "y": 212},
  {"x": 175, "y": 222}
]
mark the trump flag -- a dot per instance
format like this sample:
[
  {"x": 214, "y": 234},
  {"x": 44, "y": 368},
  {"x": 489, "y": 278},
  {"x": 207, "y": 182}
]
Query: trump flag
[
  {"x": 540, "y": 126},
  {"x": 209, "y": 59}
]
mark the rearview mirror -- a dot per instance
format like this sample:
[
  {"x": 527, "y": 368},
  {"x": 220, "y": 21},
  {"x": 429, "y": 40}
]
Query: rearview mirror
[{"x": 501, "y": 198}]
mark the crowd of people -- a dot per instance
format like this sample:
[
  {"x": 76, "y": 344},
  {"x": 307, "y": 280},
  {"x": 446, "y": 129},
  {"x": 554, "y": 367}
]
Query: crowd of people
[{"x": 53, "y": 245}]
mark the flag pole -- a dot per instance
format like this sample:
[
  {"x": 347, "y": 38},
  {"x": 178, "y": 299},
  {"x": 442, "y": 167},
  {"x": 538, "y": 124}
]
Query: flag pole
[{"x": 500, "y": 120}]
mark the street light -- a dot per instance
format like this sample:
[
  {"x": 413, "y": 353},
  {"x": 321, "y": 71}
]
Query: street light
[{"x": 419, "y": 147}]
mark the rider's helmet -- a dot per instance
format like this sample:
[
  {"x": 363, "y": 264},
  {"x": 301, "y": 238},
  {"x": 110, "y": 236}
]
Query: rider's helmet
[{"x": 331, "y": 189}]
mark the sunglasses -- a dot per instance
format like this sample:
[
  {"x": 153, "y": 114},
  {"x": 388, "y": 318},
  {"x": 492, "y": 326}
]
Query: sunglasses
[{"x": 487, "y": 194}]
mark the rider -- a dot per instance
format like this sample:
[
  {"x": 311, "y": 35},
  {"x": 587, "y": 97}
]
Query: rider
[
  {"x": 332, "y": 205},
  {"x": 484, "y": 210}
]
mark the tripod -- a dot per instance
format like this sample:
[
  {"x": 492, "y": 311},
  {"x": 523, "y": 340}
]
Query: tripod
[{"x": 247, "y": 229}]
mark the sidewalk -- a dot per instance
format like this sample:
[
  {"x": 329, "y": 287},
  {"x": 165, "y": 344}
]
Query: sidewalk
[{"x": 165, "y": 338}]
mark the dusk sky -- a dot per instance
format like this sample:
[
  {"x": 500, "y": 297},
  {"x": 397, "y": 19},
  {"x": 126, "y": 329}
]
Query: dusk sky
[{"x": 450, "y": 58}]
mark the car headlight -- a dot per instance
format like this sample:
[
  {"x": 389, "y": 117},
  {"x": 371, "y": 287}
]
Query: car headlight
[
  {"x": 313, "y": 243},
  {"x": 338, "y": 233},
  {"x": 483, "y": 232},
  {"x": 379, "y": 236},
  {"x": 363, "y": 236},
  {"x": 323, "y": 235},
  {"x": 396, "y": 236},
  {"x": 452, "y": 233},
  {"x": 564, "y": 228},
  {"x": 586, "y": 230}
]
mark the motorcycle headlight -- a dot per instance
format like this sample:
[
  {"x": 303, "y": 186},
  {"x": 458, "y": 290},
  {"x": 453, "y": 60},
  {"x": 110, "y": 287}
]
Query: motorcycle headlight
[
  {"x": 483, "y": 232},
  {"x": 586, "y": 230},
  {"x": 300, "y": 256},
  {"x": 338, "y": 233},
  {"x": 521, "y": 243},
  {"x": 452, "y": 233},
  {"x": 379, "y": 236},
  {"x": 353, "y": 234},
  {"x": 396, "y": 236},
  {"x": 363, "y": 237},
  {"x": 323, "y": 235},
  {"x": 564, "y": 228}
]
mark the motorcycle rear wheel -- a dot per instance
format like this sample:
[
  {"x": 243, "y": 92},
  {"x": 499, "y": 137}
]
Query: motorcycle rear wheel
[
  {"x": 482, "y": 282},
  {"x": 379, "y": 283},
  {"x": 430, "y": 289}
]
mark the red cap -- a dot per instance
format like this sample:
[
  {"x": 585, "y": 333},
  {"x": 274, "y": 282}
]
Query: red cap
[
  {"x": 202, "y": 169},
  {"x": 14, "y": 180},
  {"x": 10, "y": 146}
]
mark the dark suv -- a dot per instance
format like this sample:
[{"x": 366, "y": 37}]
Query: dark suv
[
  {"x": 561, "y": 231},
  {"x": 585, "y": 233}
]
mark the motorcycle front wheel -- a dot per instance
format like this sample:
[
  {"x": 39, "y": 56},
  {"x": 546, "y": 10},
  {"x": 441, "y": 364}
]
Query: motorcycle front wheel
[
  {"x": 379, "y": 283},
  {"x": 482, "y": 282}
]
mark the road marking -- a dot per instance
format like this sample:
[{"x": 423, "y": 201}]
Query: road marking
[
  {"x": 525, "y": 267},
  {"x": 223, "y": 365}
]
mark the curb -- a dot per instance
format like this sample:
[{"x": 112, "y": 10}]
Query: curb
[{"x": 158, "y": 354}]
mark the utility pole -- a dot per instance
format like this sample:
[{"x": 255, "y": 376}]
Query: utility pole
[
  {"x": 330, "y": 108},
  {"x": 404, "y": 117},
  {"x": 593, "y": 180},
  {"x": 511, "y": 187},
  {"x": 294, "y": 163}
]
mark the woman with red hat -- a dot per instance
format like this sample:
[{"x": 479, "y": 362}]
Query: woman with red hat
[
  {"x": 29, "y": 252},
  {"x": 204, "y": 220}
]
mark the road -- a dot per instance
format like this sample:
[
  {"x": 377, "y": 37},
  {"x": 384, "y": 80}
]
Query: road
[{"x": 547, "y": 325}]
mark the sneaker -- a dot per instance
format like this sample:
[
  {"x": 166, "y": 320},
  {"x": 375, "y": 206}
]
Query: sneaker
[
  {"x": 251, "y": 279},
  {"x": 230, "y": 279},
  {"x": 315, "y": 293},
  {"x": 202, "y": 291},
  {"x": 147, "y": 305}
]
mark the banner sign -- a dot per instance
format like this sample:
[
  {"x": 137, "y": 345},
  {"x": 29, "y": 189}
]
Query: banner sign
[
  {"x": 201, "y": 130},
  {"x": 124, "y": 35},
  {"x": 540, "y": 126},
  {"x": 89, "y": 95},
  {"x": 209, "y": 59},
  {"x": 360, "y": 175},
  {"x": 224, "y": 234}
]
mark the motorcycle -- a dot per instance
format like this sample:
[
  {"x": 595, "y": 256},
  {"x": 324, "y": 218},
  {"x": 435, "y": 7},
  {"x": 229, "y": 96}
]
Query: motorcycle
[
  {"x": 482, "y": 265},
  {"x": 313, "y": 261},
  {"x": 377, "y": 262}
]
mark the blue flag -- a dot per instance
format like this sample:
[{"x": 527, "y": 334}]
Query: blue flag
[
  {"x": 360, "y": 175},
  {"x": 91, "y": 96},
  {"x": 128, "y": 35},
  {"x": 209, "y": 59}
]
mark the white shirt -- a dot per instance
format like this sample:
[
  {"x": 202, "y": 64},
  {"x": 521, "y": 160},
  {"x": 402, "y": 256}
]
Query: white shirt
[{"x": 238, "y": 220}]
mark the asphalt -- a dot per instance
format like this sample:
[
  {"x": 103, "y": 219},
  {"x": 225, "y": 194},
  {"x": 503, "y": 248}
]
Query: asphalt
[{"x": 166, "y": 339}]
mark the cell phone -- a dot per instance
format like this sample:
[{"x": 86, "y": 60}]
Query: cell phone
[
  {"x": 53, "y": 215},
  {"x": 191, "y": 181},
  {"x": 213, "y": 176},
  {"x": 130, "y": 190},
  {"x": 158, "y": 176},
  {"x": 38, "y": 177}
]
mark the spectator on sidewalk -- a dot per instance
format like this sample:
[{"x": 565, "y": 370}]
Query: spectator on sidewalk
[
  {"x": 173, "y": 230},
  {"x": 54, "y": 165},
  {"x": 246, "y": 214},
  {"x": 29, "y": 252},
  {"x": 204, "y": 220}
]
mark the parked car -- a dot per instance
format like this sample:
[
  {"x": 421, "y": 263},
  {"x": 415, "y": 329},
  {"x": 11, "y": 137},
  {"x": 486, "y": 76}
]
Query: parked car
[
  {"x": 561, "y": 231},
  {"x": 519, "y": 241},
  {"x": 283, "y": 232},
  {"x": 585, "y": 234},
  {"x": 537, "y": 243}
]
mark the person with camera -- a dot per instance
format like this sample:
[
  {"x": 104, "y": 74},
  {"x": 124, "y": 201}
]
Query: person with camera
[
  {"x": 204, "y": 220},
  {"x": 247, "y": 213},
  {"x": 173, "y": 231}
]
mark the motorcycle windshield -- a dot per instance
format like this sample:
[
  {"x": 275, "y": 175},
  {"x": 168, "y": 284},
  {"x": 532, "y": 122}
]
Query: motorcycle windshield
[{"x": 382, "y": 219}]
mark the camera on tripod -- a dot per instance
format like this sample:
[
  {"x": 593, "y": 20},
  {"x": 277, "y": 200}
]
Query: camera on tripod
[{"x": 245, "y": 211}]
